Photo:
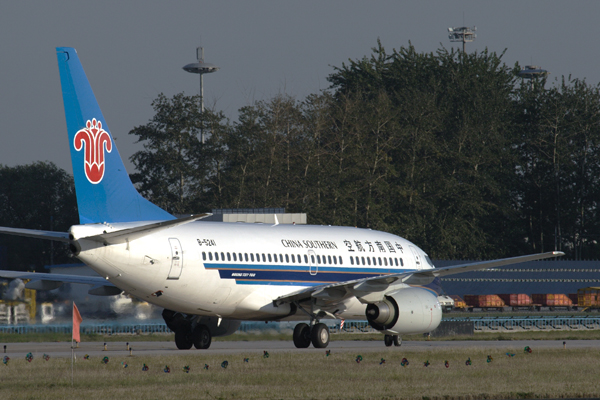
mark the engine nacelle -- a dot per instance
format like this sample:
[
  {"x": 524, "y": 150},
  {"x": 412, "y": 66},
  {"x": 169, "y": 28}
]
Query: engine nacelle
[{"x": 406, "y": 311}]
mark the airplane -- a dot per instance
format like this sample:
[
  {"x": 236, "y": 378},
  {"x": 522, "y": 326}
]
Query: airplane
[{"x": 210, "y": 276}]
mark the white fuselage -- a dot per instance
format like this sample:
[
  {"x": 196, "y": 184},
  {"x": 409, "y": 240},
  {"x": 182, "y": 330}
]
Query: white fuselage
[{"x": 236, "y": 270}]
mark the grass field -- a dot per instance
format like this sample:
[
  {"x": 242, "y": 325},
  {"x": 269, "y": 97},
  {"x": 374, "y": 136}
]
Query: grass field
[{"x": 284, "y": 375}]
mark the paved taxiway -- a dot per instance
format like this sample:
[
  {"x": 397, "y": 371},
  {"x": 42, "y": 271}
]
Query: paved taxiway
[{"x": 95, "y": 349}]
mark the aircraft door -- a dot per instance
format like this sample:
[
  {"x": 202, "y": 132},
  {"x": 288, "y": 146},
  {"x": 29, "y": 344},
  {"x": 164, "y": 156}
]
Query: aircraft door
[
  {"x": 417, "y": 257},
  {"x": 176, "y": 259},
  {"x": 313, "y": 268}
]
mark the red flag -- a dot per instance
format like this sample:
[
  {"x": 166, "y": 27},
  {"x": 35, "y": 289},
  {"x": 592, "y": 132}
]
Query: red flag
[{"x": 76, "y": 322}]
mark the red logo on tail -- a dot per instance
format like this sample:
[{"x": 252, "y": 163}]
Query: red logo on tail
[{"x": 95, "y": 140}]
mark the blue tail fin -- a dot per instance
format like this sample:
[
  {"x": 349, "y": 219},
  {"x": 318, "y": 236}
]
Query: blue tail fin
[{"x": 104, "y": 191}]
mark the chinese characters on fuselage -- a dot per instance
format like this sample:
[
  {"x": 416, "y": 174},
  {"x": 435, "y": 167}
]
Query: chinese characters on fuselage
[{"x": 351, "y": 245}]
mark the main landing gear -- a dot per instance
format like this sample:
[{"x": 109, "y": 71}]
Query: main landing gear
[
  {"x": 185, "y": 336},
  {"x": 317, "y": 334},
  {"x": 392, "y": 340}
]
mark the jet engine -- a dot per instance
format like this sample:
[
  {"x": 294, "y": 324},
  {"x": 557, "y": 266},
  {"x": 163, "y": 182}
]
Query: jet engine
[{"x": 405, "y": 311}]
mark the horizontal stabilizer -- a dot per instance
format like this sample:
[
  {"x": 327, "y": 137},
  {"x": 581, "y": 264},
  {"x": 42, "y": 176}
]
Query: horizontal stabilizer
[
  {"x": 127, "y": 235},
  {"x": 52, "y": 281},
  {"x": 48, "y": 235}
]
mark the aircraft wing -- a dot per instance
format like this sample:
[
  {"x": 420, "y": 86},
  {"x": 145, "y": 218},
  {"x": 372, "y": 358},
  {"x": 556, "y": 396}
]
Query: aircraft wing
[
  {"x": 41, "y": 281},
  {"x": 477, "y": 266},
  {"x": 339, "y": 291}
]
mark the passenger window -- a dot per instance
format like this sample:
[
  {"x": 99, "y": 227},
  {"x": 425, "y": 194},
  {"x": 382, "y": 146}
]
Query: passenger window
[
  {"x": 396, "y": 261},
  {"x": 374, "y": 261},
  {"x": 264, "y": 258},
  {"x": 363, "y": 261},
  {"x": 341, "y": 261},
  {"x": 334, "y": 259},
  {"x": 352, "y": 260},
  {"x": 241, "y": 258},
  {"x": 401, "y": 262},
  {"x": 312, "y": 258},
  {"x": 246, "y": 256},
  {"x": 293, "y": 259},
  {"x": 287, "y": 259},
  {"x": 234, "y": 257},
  {"x": 281, "y": 258},
  {"x": 251, "y": 257},
  {"x": 305, "y": 259},
  {"x": 385, "y": 261},
  {"x": 318, "y": 259},
  {"x": 368, "y": 260},
  {"x": 269, "y": 255},
  {"x": 216, "y": 256},
  {"x": 329, "y": 259},
  {"x": 380, "y": 263},
  {"x": 204, "y": 256},
  {"x": 228, "y": 256},
  {"x": 210, "y": 256},
  {"x": 274, "y": 257},
  {"x": 257, "y": 257},
  {"x": 222, "y": 256}
]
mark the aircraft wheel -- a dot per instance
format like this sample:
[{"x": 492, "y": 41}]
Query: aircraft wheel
[
  {"x": 183, "y": 339},
  {"x": 397, "y": 341},
  {"x": 319, "y": 335},
  {"x": 388, "y": 340},
  {"x": 302, "y": 336},
  {"x": 201, "y": 337}
]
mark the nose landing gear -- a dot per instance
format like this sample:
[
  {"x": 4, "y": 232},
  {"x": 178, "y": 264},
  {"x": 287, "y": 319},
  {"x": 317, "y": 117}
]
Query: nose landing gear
[{"x": 390, "y": 340}]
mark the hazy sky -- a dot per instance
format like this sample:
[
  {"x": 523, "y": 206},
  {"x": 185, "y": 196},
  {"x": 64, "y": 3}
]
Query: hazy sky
[{"x": 134, "y": 50}]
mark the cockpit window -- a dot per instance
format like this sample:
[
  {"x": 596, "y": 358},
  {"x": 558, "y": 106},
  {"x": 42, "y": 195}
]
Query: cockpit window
[{"x": 429, "y": 261}]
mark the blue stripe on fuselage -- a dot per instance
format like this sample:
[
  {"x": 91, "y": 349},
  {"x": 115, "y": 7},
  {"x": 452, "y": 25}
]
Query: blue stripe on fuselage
[{"x": 295, "y": 274}]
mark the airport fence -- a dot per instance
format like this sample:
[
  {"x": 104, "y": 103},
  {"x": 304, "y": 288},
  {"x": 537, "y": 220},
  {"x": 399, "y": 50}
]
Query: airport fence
[
  {"x": 158, "y": 327},
  {"x": 161, "y": 328},
  {"x": 509, "y": 324}
]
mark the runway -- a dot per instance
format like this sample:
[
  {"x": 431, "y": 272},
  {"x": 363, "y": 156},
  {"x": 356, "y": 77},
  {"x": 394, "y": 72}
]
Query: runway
[{"x": 141, "y": 348}]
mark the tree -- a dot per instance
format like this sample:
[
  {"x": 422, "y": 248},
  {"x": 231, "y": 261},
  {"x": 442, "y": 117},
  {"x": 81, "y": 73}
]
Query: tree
[
  {"x": 169, "y": 162},
  {"x": 558, "y": 175},
  {"x": 442, "y": 145},
  {"x": 443, "y": 148},
  {"x": 265, "y": 149},
  {"x": 36, "y": 196}
]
